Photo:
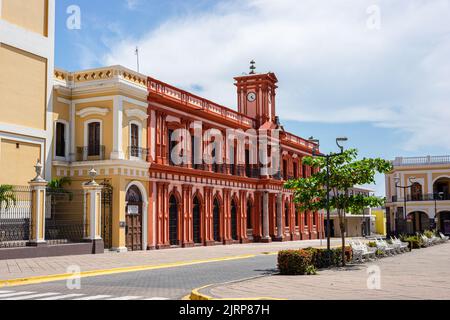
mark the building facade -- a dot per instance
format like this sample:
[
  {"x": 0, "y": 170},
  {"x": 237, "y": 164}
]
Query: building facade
[
  {"x": 418, "y": 195},
  {"x": 131, "y": 129},
  {"x": 26, "y": 61},
  {"x": 356, "y": 224},
  {"x": 128, "y": 126}
]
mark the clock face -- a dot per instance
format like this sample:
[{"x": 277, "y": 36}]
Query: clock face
[{"x": 251, "y": 97}]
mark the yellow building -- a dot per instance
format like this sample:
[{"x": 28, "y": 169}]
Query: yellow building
[
  {"x": 422, "y": 185},
  {"x": 26, "y": 64},
  {"x": 380, "y": 221},
  {"x": 100, "y": 121}
]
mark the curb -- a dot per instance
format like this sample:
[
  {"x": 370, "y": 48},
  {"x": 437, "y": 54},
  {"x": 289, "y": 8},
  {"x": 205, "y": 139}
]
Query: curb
[
  {"x": 94, "y": 273},
  {"x": 196, "y": 294}
]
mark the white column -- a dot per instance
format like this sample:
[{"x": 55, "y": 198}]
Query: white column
[
  {"x": 38, "y": 195},
  {"x": 117, "y": 152},
  {"x": 92, "y": 196}
]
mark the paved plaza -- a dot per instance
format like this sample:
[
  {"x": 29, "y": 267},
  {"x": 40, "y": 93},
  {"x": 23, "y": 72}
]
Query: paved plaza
[{"x": 420, "y": 274}]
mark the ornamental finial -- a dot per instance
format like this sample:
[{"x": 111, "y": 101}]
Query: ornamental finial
[{"x": 252, "y": 67}]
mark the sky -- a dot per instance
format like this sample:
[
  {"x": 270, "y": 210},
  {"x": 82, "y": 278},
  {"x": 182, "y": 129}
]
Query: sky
[{"x": 376, "y": 71}]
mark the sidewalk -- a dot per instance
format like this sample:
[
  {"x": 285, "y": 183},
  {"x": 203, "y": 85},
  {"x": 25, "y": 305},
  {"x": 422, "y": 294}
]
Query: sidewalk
[
  {"x": 25, "y": 268},
  {"x": 420, "y": 274}
]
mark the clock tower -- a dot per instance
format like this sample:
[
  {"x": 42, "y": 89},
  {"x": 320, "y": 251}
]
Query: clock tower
[{"x": 256, "y": 96}]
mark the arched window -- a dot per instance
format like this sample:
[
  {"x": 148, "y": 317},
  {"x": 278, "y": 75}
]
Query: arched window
[
  {"x": 416, "y": 192},
  {"x": 296, "y": 217},
  {"x": 216, "y": 220},
  {"x": 134, "y": 140},
  {"x": 94, "y": 139},
  {"x": 305, "y": 216},
  {"x": 60, "y": 136}
]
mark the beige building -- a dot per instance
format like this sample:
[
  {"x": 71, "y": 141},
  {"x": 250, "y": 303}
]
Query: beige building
[
  {"x": 100, "y": 120},
  {"x": 356, "y": 224},
  {"x": 422, "y": 185},
  {"x": 26, "y": 64}
]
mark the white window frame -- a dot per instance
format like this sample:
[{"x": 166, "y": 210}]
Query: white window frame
[
  {"x": 86, "y": 133},
  {"x": 66, "y": 141},
  {"x": 139, "y": 124}
]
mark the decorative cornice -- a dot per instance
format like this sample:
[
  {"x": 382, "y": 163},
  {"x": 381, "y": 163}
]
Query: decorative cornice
[
  {"x": 92, "y": 111},
  {"x": 141, "y": 115}
]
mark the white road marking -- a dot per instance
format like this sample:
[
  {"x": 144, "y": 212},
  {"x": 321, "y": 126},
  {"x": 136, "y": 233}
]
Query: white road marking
[
  {"x": 33, "y": 296},
  {"x": 6, "y": 291},
  {"x": 126, "y": 298},
  {"x": 23, "y": 293},
  {"x": 156, "y": 298},
  {"x": 94, "y": 297},
  {"x": 65, "y": 296}
]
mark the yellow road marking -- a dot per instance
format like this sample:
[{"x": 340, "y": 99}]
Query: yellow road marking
[{"x": 94, "y": 273}]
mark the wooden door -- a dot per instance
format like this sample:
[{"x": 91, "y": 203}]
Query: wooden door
[{"x": 133, "y": 228}]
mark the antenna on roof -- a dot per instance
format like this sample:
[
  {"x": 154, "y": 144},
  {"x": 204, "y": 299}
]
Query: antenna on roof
[
  {"x": 252, "y": 67},
  {"x": 137, "y": 58}
]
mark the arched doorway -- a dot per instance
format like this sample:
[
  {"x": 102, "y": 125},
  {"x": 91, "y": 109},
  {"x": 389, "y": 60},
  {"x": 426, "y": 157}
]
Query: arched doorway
[
  {"x": 216, "y": 220},
  {"x": 417, "y": 222},
  {"x": 234, "y": 228},
  {"x": 197, "y": 220},
  {"x": 250, "y": 219},
  {"x": 133, "y": 230},
  {"x": 444, "y": 222},
  {"x": 441, "y": 188},
  {"x": 286, "y": 215},
  {"x": 173, "y": 221}
]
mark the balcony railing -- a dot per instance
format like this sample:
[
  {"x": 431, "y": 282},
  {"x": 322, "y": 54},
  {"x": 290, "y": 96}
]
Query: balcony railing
[
  {"x": 418, "y": 161},
  {"x": 135, "y": 153},
  {"x": 197, "y": 103},
  {"x": 423, "y": 197},
  {"x": 91, "y": 153}
]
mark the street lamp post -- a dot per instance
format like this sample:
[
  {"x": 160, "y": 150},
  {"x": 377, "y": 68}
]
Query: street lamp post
[
  {"x": 441, "y": 196},
  {"x": 327, "y": 157},
  {"x": 397, "y": 185}
]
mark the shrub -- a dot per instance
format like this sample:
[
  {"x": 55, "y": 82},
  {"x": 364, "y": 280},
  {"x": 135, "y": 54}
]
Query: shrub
[
  {"x": 372, "y": 244},
  {"x": 311, "y": 270},
  {"x": 429, "y": 234},
  {"x": 294, "y": 262},
  {"x": 307, "y": 261},
  {"x": 415, "y": 242}
]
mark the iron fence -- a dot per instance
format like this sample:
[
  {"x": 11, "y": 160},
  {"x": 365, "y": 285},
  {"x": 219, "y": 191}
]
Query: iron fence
[
  {"x": 138, "y": 153},
  {"x": 15, "y": 217},
  {"x": 65, "y": 219}
]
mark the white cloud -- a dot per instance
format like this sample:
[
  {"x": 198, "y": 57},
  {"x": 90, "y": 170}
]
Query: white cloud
[
  {"x": 132, "y": 4},
  {"x": 331, "y": 67}
]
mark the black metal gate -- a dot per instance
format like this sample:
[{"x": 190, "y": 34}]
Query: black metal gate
[
  {"x": 107, "y": 212},
  {"x": 173, "y": 221},
  {"x": 196, "y": 222},
  {"x": 216, "y": 220},
  {"x": 234, "y": 231}
]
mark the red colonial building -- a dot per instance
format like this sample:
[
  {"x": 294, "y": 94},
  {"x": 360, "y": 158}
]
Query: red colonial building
[{"x": 216, "y": 175}]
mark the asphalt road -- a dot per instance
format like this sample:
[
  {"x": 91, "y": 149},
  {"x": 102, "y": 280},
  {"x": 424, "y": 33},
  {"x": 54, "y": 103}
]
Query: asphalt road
[{"x": 161, "y": 284}]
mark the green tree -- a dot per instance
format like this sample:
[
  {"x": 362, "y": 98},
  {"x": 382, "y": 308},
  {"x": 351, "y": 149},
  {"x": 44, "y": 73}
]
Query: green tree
[
  {"x": 7, "y": 196},
  {"x": 59, "y": 184},
  {"x": 345, "y": 171}
]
